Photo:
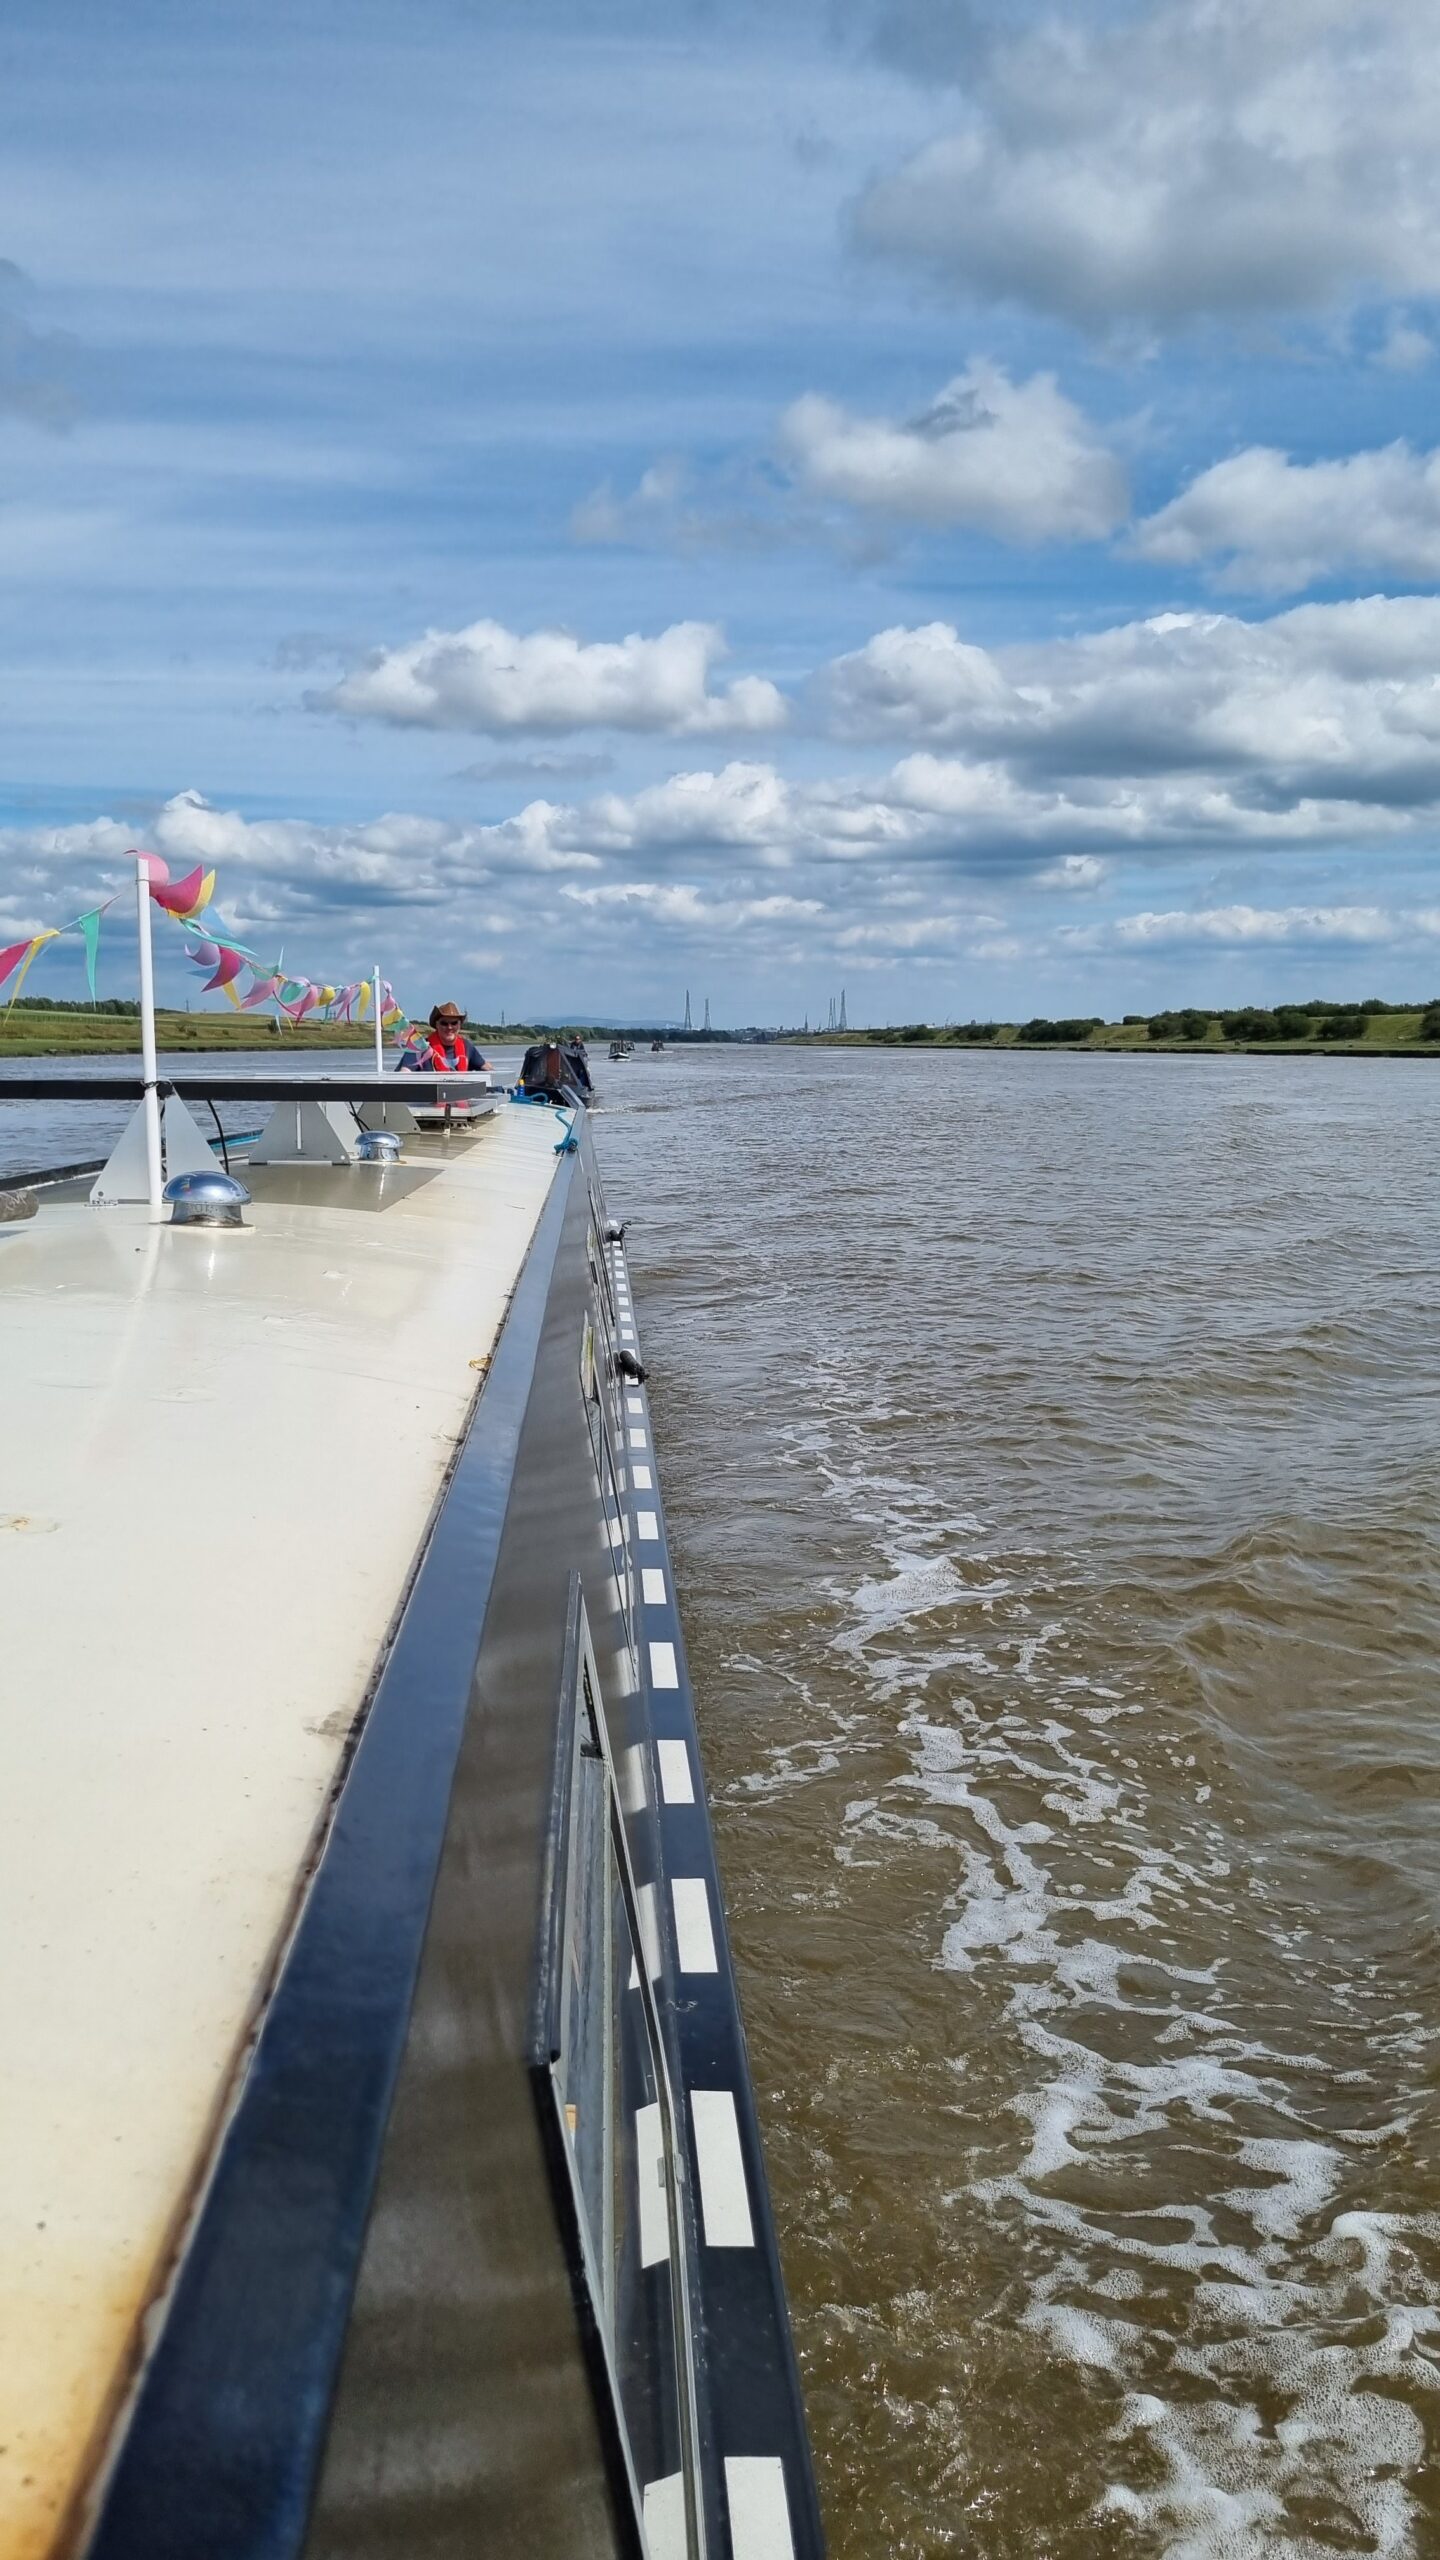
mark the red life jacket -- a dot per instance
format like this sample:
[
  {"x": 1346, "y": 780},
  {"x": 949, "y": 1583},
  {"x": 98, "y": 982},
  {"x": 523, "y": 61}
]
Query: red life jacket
[{"x": 449, "y": 1064}]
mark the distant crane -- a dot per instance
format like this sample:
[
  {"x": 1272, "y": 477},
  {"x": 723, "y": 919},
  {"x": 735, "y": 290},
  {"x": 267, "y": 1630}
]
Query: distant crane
[
  {"x": 843, "y": 1025},
  {"x": 707, "y": 1014},
  {"x": 687, "y": 1009}
]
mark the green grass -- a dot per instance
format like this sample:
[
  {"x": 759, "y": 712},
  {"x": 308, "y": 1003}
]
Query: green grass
[
  {"x": 33, "y": 1034},
  {"x": 1384, "y": 1034}
]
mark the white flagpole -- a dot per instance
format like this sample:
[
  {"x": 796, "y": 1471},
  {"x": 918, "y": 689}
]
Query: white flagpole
[
  {"x": 149, "y": 1065},
  {"x": 379, "y": 1029}
]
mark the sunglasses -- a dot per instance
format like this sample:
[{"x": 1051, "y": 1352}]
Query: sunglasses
[{"x": 450, "y": 1021}]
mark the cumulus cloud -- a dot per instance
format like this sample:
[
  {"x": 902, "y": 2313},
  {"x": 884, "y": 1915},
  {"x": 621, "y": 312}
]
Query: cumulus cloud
[
  {"x": 489, "y": 679},
  {"x": 1165, "y": 164},
  {"x": 1325, "y": 704},
  {"x": 1247, "y": 928},
  {"x": 1013, "y": 459},
  {"x": 270, "y": 868},
  {"x": 1274, "y": 524}
]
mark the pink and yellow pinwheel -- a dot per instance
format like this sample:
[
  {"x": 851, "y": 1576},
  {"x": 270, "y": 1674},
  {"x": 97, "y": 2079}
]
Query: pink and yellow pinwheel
[
  {"x": 231, "y": 964},
  {"x": 183, "y": 898}
]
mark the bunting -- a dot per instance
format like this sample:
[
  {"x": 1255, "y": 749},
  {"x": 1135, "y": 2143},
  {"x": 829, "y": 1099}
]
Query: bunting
[
  {"x": 16, "y": 957},
  {"x": 213, "y": 946}
]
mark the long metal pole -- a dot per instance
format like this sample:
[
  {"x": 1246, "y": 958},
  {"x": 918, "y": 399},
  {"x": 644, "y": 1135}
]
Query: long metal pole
[
  {"x": 379, "y": 1030},
  {"x": 149, "y": 1064}
]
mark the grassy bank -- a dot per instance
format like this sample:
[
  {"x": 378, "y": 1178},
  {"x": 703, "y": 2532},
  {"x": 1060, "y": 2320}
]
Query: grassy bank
[
  {"x": 54, "y": 1034},
  {"x": 1367, "y": 1030}
]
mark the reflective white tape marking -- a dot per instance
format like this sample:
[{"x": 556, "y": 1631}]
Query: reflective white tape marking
[
  {"x": 665, "y": 2518},
  {"x": 638, "y": 1440},
  {"x": 642, "y": 1480},
  {"x": 627, "y": 1333},
  {"x": 630, "y": 1779},
  {"x": 649, "y": 1929},
  {"x": 650, "y": 2176},
  {"x": 652, "y": 1586},
  {"x": 617, "y": 1533},
  {"x": 724, "y": 2203},
  {"x": 693, "y": 1933},
  {"x": 664, "y": 1671},
  {"x": 676, "y": 1784},
  {"x": 647, "y": 1524},
  {"x": 759, "y": 2508},
  {"x": 634, "y": 1404}
]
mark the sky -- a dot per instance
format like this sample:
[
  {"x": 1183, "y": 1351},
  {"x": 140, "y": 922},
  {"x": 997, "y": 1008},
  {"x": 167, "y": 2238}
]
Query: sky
[{"x": 575, "y": 502}]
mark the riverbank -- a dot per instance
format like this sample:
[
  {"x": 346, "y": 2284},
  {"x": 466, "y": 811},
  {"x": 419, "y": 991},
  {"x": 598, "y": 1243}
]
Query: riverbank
[
  {"x": 1334, "y": 1032},
  {"x": 42, "y": 1034}
]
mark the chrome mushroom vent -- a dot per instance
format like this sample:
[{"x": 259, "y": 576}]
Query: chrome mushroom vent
[
  {"x": 377, "y": 1146},
  {"x": 206, "y": 1199}
]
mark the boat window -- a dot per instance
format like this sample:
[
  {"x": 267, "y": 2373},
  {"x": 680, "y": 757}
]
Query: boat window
[{"x": 607, "y": 2117}]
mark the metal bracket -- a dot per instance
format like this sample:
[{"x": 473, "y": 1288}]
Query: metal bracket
[
  {"x": 306, "y": 1133},
  {"x": 125, "y": 1175}
]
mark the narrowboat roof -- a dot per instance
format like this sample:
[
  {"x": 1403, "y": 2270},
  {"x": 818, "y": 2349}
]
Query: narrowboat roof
[{"x": 218, "y": 1456}]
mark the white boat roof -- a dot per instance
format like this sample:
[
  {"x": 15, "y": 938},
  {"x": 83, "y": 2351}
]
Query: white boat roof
[{"x": 218, "y": 1455}]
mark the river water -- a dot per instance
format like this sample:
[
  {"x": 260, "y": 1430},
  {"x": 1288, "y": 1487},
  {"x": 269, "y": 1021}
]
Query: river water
[{"x": 1052, "y": 1453}]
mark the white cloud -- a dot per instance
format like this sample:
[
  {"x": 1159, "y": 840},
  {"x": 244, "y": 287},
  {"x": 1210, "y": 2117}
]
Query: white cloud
[
  {"x": 651, "y": 507},
  {"x": 1074, "y": 871},
  {"x": 1326, "y": 716},
  {"x": 1013, "y": 459},
  {"x": 1169, "y": 163},
  {"x": 271, "y": 869},
  {"x": 492, "y": 680},
  {"x": 1280, "y": 524},
  {"x": 1241, "y": 928}
]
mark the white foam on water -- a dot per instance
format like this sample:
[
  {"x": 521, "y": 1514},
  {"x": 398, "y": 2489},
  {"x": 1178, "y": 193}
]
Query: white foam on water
[
  {"x": 1195, "y": 2180},
  {"x": 1288, "y": 2293}
]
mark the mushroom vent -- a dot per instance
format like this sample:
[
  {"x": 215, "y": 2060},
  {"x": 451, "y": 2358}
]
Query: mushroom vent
[{"x": 206, "y": 1200}]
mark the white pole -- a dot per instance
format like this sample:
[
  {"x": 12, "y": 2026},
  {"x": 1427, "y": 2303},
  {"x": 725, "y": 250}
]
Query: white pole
[
  {"x": 149, "y": 1065},
  {"x": 379, "y": 1030}
]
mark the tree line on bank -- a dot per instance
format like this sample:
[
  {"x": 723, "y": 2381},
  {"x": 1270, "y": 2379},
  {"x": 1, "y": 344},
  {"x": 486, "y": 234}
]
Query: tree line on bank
[{"x": 1317, "y": 1018}]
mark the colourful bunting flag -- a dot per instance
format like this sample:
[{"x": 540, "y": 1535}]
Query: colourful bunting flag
[
  {"x": 210, "y": 945},
  {"x": 231, "y": 964}
]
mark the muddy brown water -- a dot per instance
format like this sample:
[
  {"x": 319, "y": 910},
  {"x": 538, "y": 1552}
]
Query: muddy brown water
[{"x": 1051, "y": 1449}]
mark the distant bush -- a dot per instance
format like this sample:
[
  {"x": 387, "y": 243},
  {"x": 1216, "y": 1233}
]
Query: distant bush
[
  {"x": 1252, "y": 1024},
  {"x": 973, "y": 1032},
  {"x": 916, "y": 1031},
  {"x": 1430, "y": 1026},
  {"x": 1340, "y": 1026},
  {"x": 1189, "y": 1024},
  {"x": 78, "y": 1004},
  {"x": 1076, "y": 1028}
]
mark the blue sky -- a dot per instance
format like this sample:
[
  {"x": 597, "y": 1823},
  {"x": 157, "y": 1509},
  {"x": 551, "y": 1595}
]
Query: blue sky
[{"x": 913, "y": 495}]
